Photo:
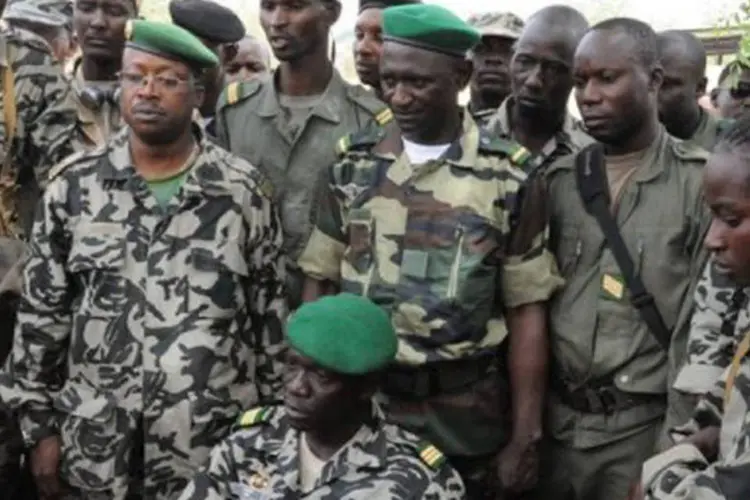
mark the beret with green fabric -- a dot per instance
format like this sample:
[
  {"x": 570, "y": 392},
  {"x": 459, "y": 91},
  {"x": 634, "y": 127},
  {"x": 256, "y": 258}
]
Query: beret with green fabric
[
  {"x": 384, "y": 4},
  {"x": 169, "y": 41},
  {"x": 429, "y": 27},
  {"x": 343, "y": 333}
]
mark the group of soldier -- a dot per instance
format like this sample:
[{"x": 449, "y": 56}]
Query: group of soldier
[{"x": 222, "y": 280}]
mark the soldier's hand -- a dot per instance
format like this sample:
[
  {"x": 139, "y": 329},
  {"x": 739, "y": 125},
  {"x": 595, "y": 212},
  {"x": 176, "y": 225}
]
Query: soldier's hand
[
  {"x": 636, "y": 491},
  {"x": 707, "y": 441},
  {"x": 44, "y": 462},
  {"x": 518, "y": 465}
]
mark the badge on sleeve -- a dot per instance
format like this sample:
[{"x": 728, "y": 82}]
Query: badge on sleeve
[
  {"x": 254, "y": 486},
  {"x": 613, "y": 287}
]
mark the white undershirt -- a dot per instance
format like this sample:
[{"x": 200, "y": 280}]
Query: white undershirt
[{"x": 422, "y": 153}]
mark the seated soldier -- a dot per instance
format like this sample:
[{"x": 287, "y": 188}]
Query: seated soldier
[
  {"x": 329, "y": 440},
  {"x": 712, "y": 460}
]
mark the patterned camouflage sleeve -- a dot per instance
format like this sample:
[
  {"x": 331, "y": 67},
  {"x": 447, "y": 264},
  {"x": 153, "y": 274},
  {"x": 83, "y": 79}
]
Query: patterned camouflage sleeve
[
  {"x": 44, "y": 316},
  {"x": 530, "y": 273},
  {"x": 213, "y": 481},
  {"x": 321, "y": 258},
  {"x": 267, "y": 297},
  {"x": 46, "y": 113},
  {"x": 711, "y": 341}
]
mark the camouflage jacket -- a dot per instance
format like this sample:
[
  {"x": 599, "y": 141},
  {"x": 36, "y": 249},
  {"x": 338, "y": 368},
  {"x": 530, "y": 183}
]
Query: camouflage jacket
[
  {"x": 682, "y": 472},
  {"x": 171, "y": 317},
  {"x": 45, "y": 119},
  {"x": 570, "y": 139},
  {"x": 444, "y": 247},
  {"x": 719, "y": 305},
  {"x": 381, "y": 462}
]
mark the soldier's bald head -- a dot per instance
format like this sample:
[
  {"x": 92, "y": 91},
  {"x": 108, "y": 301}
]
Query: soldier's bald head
[
  {"x": 561, "y": 22},
  {"x": 685, "y": 47}
]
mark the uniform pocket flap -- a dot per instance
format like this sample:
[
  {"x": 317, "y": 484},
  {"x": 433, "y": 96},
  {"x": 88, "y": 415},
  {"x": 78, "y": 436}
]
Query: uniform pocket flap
[
  {"x": 97, "y": 246},
  {"x": 228, "y": 257}
]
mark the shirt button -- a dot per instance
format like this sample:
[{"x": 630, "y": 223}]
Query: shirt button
[{"x": 624, "y": 379}]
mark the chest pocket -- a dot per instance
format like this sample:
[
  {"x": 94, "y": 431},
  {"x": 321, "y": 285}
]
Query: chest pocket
[
  {"x": 217, "y": 281},
  {"x": 97, "y": 262}
]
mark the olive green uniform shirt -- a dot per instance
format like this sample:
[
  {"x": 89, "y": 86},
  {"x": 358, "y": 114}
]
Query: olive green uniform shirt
[
  {"x": 598, "y": 336},
  {"x": 252, "y": 124},
  {"x": 708, "y": 132},
  {"x": 571, "y": 137}
]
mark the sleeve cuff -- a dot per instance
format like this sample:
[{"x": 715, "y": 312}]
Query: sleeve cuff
[
  {"x": 697, "y": 378},
  {"x": 38, "y": 426},
  {"x": 679, "y": 454},
  {"x": 321, "y": 258},
  {"x": 531, "y": 281}
]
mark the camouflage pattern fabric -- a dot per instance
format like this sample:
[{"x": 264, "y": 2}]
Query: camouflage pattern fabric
[
  {"x": 167, "y": 316},
  {"x": 719, "y": 304},
  {"x": 381, "y": 462},
  {"x": 444, "y": 247},
  {"x": 44, "y": 126},
  {"x": 683, "y": 472},
  {"x": 500, "y": 24},
  {"x": 570, "y": 139}
]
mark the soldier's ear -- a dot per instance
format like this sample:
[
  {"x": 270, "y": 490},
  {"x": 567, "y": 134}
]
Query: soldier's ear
[
  {"x": 656, "y": 78},
  {"x": 464, "y": 69},
  {"x": 700, "y": 91}
]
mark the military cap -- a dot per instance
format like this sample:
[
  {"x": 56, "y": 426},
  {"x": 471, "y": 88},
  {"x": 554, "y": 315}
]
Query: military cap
[
  {"x": 207, "y": 20},
  {"x": 384, "y": 4},
  {"x": 343, "y": 333},
  {"x": 55, "y": 13},
  {"x": 429, "y": 27},
  {"x": 499, "y": 24},
  {"x": 169, "y": 41}
]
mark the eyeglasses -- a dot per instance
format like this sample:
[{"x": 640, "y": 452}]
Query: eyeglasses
[{"x": 161, "y": 82}]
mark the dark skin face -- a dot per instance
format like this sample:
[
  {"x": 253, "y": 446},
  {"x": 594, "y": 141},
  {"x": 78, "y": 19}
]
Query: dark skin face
[
  {"x": 680, "y": 90},
  {"x": 100, "y": 25},
  {"x": 297, "y": 28},
  {"x": 491, "y": 77},
  {"x": 616, "y": 94},
  {"x": 541, "y": 71},
  {"x": 318, "y": 400},
  {"x": 422, "y": 87},
  {"x": 733, "y": 101},
  {"x": 158, "y": 97},
  {"x": 248, "y": 60},
  {"x": 368, "y": 46},
  {"x": 726, "y": 187}
]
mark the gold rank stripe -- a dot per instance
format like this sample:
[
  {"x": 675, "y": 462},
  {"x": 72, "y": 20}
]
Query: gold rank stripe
[
  {"x": 233, "y": 92},
  {"x": 734, "y": 369},
  {"x": 384, "y": 116},
  {"x": 430, "y": 455},
  {"x": 252, "y": 417},
  {"x": 520, "y": 156}
]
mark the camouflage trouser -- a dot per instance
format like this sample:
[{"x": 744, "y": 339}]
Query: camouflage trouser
[{"x": 466, "y": 424}]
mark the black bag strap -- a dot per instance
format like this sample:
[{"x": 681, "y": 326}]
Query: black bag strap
[{"x": 592, "y": 186}]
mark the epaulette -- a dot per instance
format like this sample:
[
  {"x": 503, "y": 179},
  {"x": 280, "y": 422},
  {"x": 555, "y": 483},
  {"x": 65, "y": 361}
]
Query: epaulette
[
  {"x": 238, "y": 91},
  {"x": 517, "y": 154},
  {"x": 384, "y": 117},
  {"x": 253, "y": 417},
  {"x": 64, "y": 164},
  {"x": 686, "y": 150},
  {"x": 430, "y": 455},
  {"x": 361, "y": 140}
]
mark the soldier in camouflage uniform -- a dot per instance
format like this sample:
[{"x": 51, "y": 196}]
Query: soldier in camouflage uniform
[
  {"x": 712, "y": 458},
  {"x": 427, "y": 219},
  {"x": 536, "y": 113},
  {"x": 38, "y": 120},
  {"x": 490, "y": 80},
  {"x": 47, "y": 20},
  {"x": 329, "y": 441},
  {"x": 683, "y": 57},
  {"x": 287, "y": 123},
  {"x": 152, "y": 305}
]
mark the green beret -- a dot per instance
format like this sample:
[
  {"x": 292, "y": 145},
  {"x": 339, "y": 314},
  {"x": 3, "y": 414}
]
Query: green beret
[
  {"x": 383, "y": 4},
  {"x": 430, "y": 27},
  {"x": 343, "y": 333},
  {"x": 170, "y": 41}
]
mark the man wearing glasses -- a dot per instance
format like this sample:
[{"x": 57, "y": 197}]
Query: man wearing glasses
[{"x": 152, "y": 307}]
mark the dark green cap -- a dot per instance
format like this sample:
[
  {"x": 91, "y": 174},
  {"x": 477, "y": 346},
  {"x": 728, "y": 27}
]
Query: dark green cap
[
  {"x": 170, "y": 41},
  {"x": 429, "y": 27},
  {"x": 343, "y": 333}
]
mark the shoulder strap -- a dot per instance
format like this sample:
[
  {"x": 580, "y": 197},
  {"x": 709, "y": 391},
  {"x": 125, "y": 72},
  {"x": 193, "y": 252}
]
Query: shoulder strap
[
  {"x": 734, "y": 368},
  {"x": 592, "y": 187}
]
